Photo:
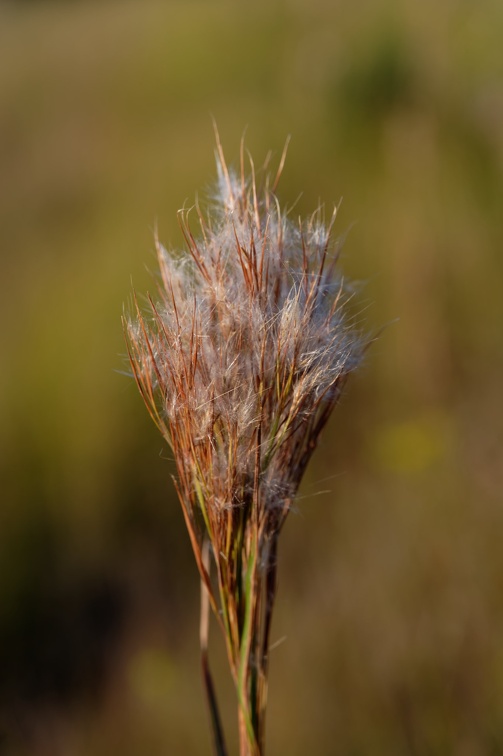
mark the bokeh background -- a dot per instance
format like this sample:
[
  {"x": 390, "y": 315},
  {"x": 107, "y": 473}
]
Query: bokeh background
[{"x": 389, "y": 621}]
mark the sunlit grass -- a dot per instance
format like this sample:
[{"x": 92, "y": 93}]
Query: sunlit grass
[{"x": 104, "y": 128}]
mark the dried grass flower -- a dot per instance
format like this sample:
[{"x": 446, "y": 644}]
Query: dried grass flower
[{"x": 240, "y": 360}]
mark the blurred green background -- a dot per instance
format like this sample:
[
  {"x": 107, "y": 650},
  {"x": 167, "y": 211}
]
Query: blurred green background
[{"x": 390, "y": 607}]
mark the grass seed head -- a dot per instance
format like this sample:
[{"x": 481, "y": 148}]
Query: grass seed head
[
  {"x": 240, "y": 361},
  {"x": 246, "y": 347}
]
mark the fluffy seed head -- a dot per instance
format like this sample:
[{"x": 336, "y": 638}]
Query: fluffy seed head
[{"x": 245, "y": 350}]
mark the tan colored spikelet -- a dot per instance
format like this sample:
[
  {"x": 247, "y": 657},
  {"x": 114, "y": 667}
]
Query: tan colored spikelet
[{"x": 240, "y": 362}]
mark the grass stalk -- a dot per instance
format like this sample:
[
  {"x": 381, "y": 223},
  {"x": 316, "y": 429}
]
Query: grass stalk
[{"x": 240, "y": 364}]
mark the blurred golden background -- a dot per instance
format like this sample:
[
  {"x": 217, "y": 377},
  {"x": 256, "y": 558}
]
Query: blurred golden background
[{"x": 390, "y": 606}]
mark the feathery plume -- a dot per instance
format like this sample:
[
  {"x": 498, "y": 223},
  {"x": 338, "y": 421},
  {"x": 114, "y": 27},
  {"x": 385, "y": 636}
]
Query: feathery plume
[{"x": 240, "y": 361}]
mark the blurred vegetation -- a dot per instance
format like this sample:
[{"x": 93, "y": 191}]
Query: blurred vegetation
[{"x": 391, "y": 581}]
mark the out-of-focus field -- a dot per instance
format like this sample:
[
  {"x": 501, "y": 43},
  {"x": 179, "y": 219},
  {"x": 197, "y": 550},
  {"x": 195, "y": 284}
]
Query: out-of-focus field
[{"x": 391, "y": 576}]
